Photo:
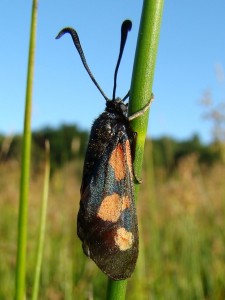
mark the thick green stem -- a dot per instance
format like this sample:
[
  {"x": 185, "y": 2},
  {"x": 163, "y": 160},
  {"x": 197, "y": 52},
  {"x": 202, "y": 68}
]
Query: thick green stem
[
  {"x": 25, "y": 168},
  {"x": 116, "y": 289},
  {"x": 140, "y": 95},
  {"x": 143, "y": 73}
]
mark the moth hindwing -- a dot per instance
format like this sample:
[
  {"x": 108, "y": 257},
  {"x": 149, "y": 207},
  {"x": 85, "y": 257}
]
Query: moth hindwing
[{"x": 107, "y": 221}]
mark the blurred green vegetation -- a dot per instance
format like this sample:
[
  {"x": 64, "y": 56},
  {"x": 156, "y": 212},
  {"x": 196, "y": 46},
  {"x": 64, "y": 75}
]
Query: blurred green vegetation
[
  {"x": 68, "y": 142},
  {"x": 181, "y": 212}
]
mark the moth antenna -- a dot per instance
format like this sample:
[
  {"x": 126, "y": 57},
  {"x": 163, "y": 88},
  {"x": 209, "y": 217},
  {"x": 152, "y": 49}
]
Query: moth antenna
[
  {"x": 126, "y": 96},
  {"x": 126, "y": 26},
  {"x": 77, "y": 44}
]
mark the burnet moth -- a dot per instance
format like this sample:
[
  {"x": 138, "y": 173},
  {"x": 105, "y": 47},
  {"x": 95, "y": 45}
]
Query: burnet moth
[{"x": 107, "y": 221}]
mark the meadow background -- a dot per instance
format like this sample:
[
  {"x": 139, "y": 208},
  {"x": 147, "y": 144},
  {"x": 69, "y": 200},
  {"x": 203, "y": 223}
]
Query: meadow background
[
  {"x": 182, "y": 199},
  {"x": 181, "y": 212}
]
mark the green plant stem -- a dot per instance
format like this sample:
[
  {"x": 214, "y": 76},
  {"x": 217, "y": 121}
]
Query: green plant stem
[
  {"x": 116, "y": 289},
  {"x": 25, "y": 167},
  {"x": 42, "y": 224},
  {"x": 143, "y": 73},
  {"x": 140, "y": 95}
]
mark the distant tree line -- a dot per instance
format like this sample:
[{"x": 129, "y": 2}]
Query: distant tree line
[
  {"x": 167, "y": 152},
  {"x": 68, "y": 142}
]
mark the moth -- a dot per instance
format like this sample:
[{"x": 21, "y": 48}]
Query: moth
[{"x": 107, "y": 220}]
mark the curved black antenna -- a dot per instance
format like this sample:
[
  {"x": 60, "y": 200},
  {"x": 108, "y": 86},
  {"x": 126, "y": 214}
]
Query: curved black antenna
[
  {"x": 126, "y": 26},
  {"x": 77, "y": 44},
  {"x": 126, "y": 96}
]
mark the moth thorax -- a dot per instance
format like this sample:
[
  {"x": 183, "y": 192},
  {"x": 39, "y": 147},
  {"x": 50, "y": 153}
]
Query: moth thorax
[{"x": 117, "y": 106}]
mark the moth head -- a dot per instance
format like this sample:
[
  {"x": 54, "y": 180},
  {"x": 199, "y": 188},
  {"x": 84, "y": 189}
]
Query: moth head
[{"x": 117, "y": 106}]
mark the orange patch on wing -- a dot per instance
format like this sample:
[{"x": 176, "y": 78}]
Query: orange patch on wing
[
  {"x": 128, "y": 155},
  {"x": 125, "y": 202},
  {"x": 112, "y": 207},
  {"x": 123, "y": 239},
  {"x": 117, "y": 162}
]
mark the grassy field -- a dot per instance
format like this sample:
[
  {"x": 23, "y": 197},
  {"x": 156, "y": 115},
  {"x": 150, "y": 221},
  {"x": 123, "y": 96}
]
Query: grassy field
[{"x": 182, "y": 228}]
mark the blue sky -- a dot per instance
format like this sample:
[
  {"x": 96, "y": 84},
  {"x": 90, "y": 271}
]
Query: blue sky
[{"x": 192, "y": 43}]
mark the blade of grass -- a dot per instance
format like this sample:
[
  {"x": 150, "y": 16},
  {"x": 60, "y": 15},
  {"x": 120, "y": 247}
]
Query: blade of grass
[
  {"x": 25, "y": 167},
  {"x": 140, "y": 95},
  {"x": 43, "y": 214}
]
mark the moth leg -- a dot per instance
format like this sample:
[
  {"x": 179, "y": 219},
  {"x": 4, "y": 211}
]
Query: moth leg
[
  {"x": 137, "y": 180},
  {"x": 143, "y": 110},
  {"x": 133, "y": 145}
]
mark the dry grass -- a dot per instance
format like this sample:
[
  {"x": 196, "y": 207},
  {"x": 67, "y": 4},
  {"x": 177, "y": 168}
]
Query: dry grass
[{"x": 181, "y": 220}]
